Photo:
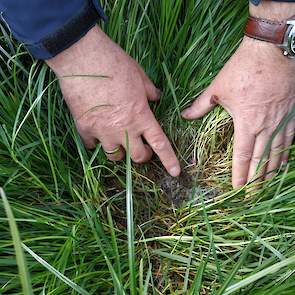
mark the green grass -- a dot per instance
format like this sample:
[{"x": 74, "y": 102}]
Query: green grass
[{"x": 73, "y": 223}]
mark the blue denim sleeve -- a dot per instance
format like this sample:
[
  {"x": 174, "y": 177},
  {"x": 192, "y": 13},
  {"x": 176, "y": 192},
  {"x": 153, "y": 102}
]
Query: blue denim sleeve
[
  {"x": 47, "y": 27},
  {"x": 257, "y": 2}
]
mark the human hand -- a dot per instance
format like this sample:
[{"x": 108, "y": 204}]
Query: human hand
[
  {"x": 257, "y": 88},
  {"x": 105, "y": 108}
]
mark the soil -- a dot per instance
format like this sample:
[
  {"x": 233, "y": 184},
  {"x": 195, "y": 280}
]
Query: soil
[
  {"x": 176, "y": 191},
  {"x": 184, "y": 189}
]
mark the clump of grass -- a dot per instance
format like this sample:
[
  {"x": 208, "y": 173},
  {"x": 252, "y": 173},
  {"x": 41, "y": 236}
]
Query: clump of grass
[{"x": 85, "y": 228}]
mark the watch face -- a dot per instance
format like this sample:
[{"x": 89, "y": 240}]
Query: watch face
[
  {"x": 293, "y": 44},
  {"x": 290, "y": 40}
]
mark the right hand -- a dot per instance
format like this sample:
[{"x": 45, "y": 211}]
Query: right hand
[
  {"x": 105, "y": 108},
  {"x": 258, "y": 100}
]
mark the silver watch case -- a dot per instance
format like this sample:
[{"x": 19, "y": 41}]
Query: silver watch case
[{"x": 288, "y": 46}]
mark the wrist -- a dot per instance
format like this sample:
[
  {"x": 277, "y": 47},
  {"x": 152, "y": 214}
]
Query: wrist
[
  {"x": 71, "y": 61},
  {"x": 273, "y": 10},
  {"x": 266, "y": 50},
  {"x": 268, "y": 54}
]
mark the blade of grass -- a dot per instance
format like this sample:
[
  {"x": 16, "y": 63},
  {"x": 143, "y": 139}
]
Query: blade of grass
[
  {"x": 211, "y": 237},
  {"x": 114, "y": 243},
  {"x": 19, "y": 253},
  {"x": 186, "y": 278},
  {"x": 197, "y": 283},
  {"x": 255, "y": 277},
  {"x": 96, "y": 229},
  {"x": 130, "y": 221},
  {"x": 58, "y": 274},
  {"x": 248, "y": 248},
  {"x": 147, "y": 280}
]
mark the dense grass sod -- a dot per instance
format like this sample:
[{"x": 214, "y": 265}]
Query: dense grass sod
[{"x": 74, "y": 224}]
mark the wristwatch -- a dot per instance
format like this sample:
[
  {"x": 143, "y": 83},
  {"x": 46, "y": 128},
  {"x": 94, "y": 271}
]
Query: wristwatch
[{"x": 281, "y": 34}]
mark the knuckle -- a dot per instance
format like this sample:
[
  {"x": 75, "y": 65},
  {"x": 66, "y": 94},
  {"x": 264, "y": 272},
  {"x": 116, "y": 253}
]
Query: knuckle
[
  {"x": 257, "y": 159},
  {"x": 120, "y": 121},
  {"x": 243, "y": 156},
  {"x": 138, "y": 157},
  {"x": 277, "y": 148},
  {"x": 158, "y": 142},
  {"x": 125, "y": 116}
]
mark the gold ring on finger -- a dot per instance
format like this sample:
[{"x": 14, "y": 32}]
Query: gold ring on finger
[{"x": 112, "y": 152}]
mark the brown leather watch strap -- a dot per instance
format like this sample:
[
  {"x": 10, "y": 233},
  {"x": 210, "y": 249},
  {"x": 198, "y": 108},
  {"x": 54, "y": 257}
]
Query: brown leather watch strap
[{"x": 266, "y": 30}]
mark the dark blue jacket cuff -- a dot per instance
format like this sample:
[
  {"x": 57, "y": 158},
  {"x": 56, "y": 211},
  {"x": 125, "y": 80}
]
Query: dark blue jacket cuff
[
  {"x": 48, "y": 27},
  {"x": 257, "y": 2}
]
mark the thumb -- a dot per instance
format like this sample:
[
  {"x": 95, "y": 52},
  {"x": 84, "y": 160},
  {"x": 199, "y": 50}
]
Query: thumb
[
  {"x": 152, "y": 92},
  {"x": 201, "y": 106}
]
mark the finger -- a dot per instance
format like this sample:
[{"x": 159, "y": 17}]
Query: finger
[
  {"x": 152, "y": 92},
  {"x": 275, "y": 155},
  {"x": 160, "y": 144},
  {"x": 89, "y": 142},
  {"x": 242, "y": 153},
  {"x": 139, "y": 152},
  {"x": 114, "y": 152},
  {"x": 289, "y": 137},
  {"x": 260, "y": 157},
  {"x": 201, "y": 106}
]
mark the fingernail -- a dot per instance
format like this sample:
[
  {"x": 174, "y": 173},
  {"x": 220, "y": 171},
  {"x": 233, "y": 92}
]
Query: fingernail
[
  {"x": 159, "y": 92},
  {"x": 175, "y": 171},
  {"x": 185, "y": 113}
]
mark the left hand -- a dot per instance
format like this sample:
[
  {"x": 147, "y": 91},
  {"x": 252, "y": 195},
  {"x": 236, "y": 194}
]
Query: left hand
[
  {"x": 257, "y": 88},
  {"x": 105, "y": 109}
]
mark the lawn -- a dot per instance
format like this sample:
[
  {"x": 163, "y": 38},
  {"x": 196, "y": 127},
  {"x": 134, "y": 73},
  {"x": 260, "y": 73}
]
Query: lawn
[{"x": 72, "y": 222}]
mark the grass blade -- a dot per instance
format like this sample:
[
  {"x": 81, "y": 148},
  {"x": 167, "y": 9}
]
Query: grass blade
[
  {"x": 130, "y": 222},
  {"x": 19, "y": 253},
  {"x": 255, "y": 277},
  {"x": 196, "y": 286},
  {"x": 58, "y": 274}
]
